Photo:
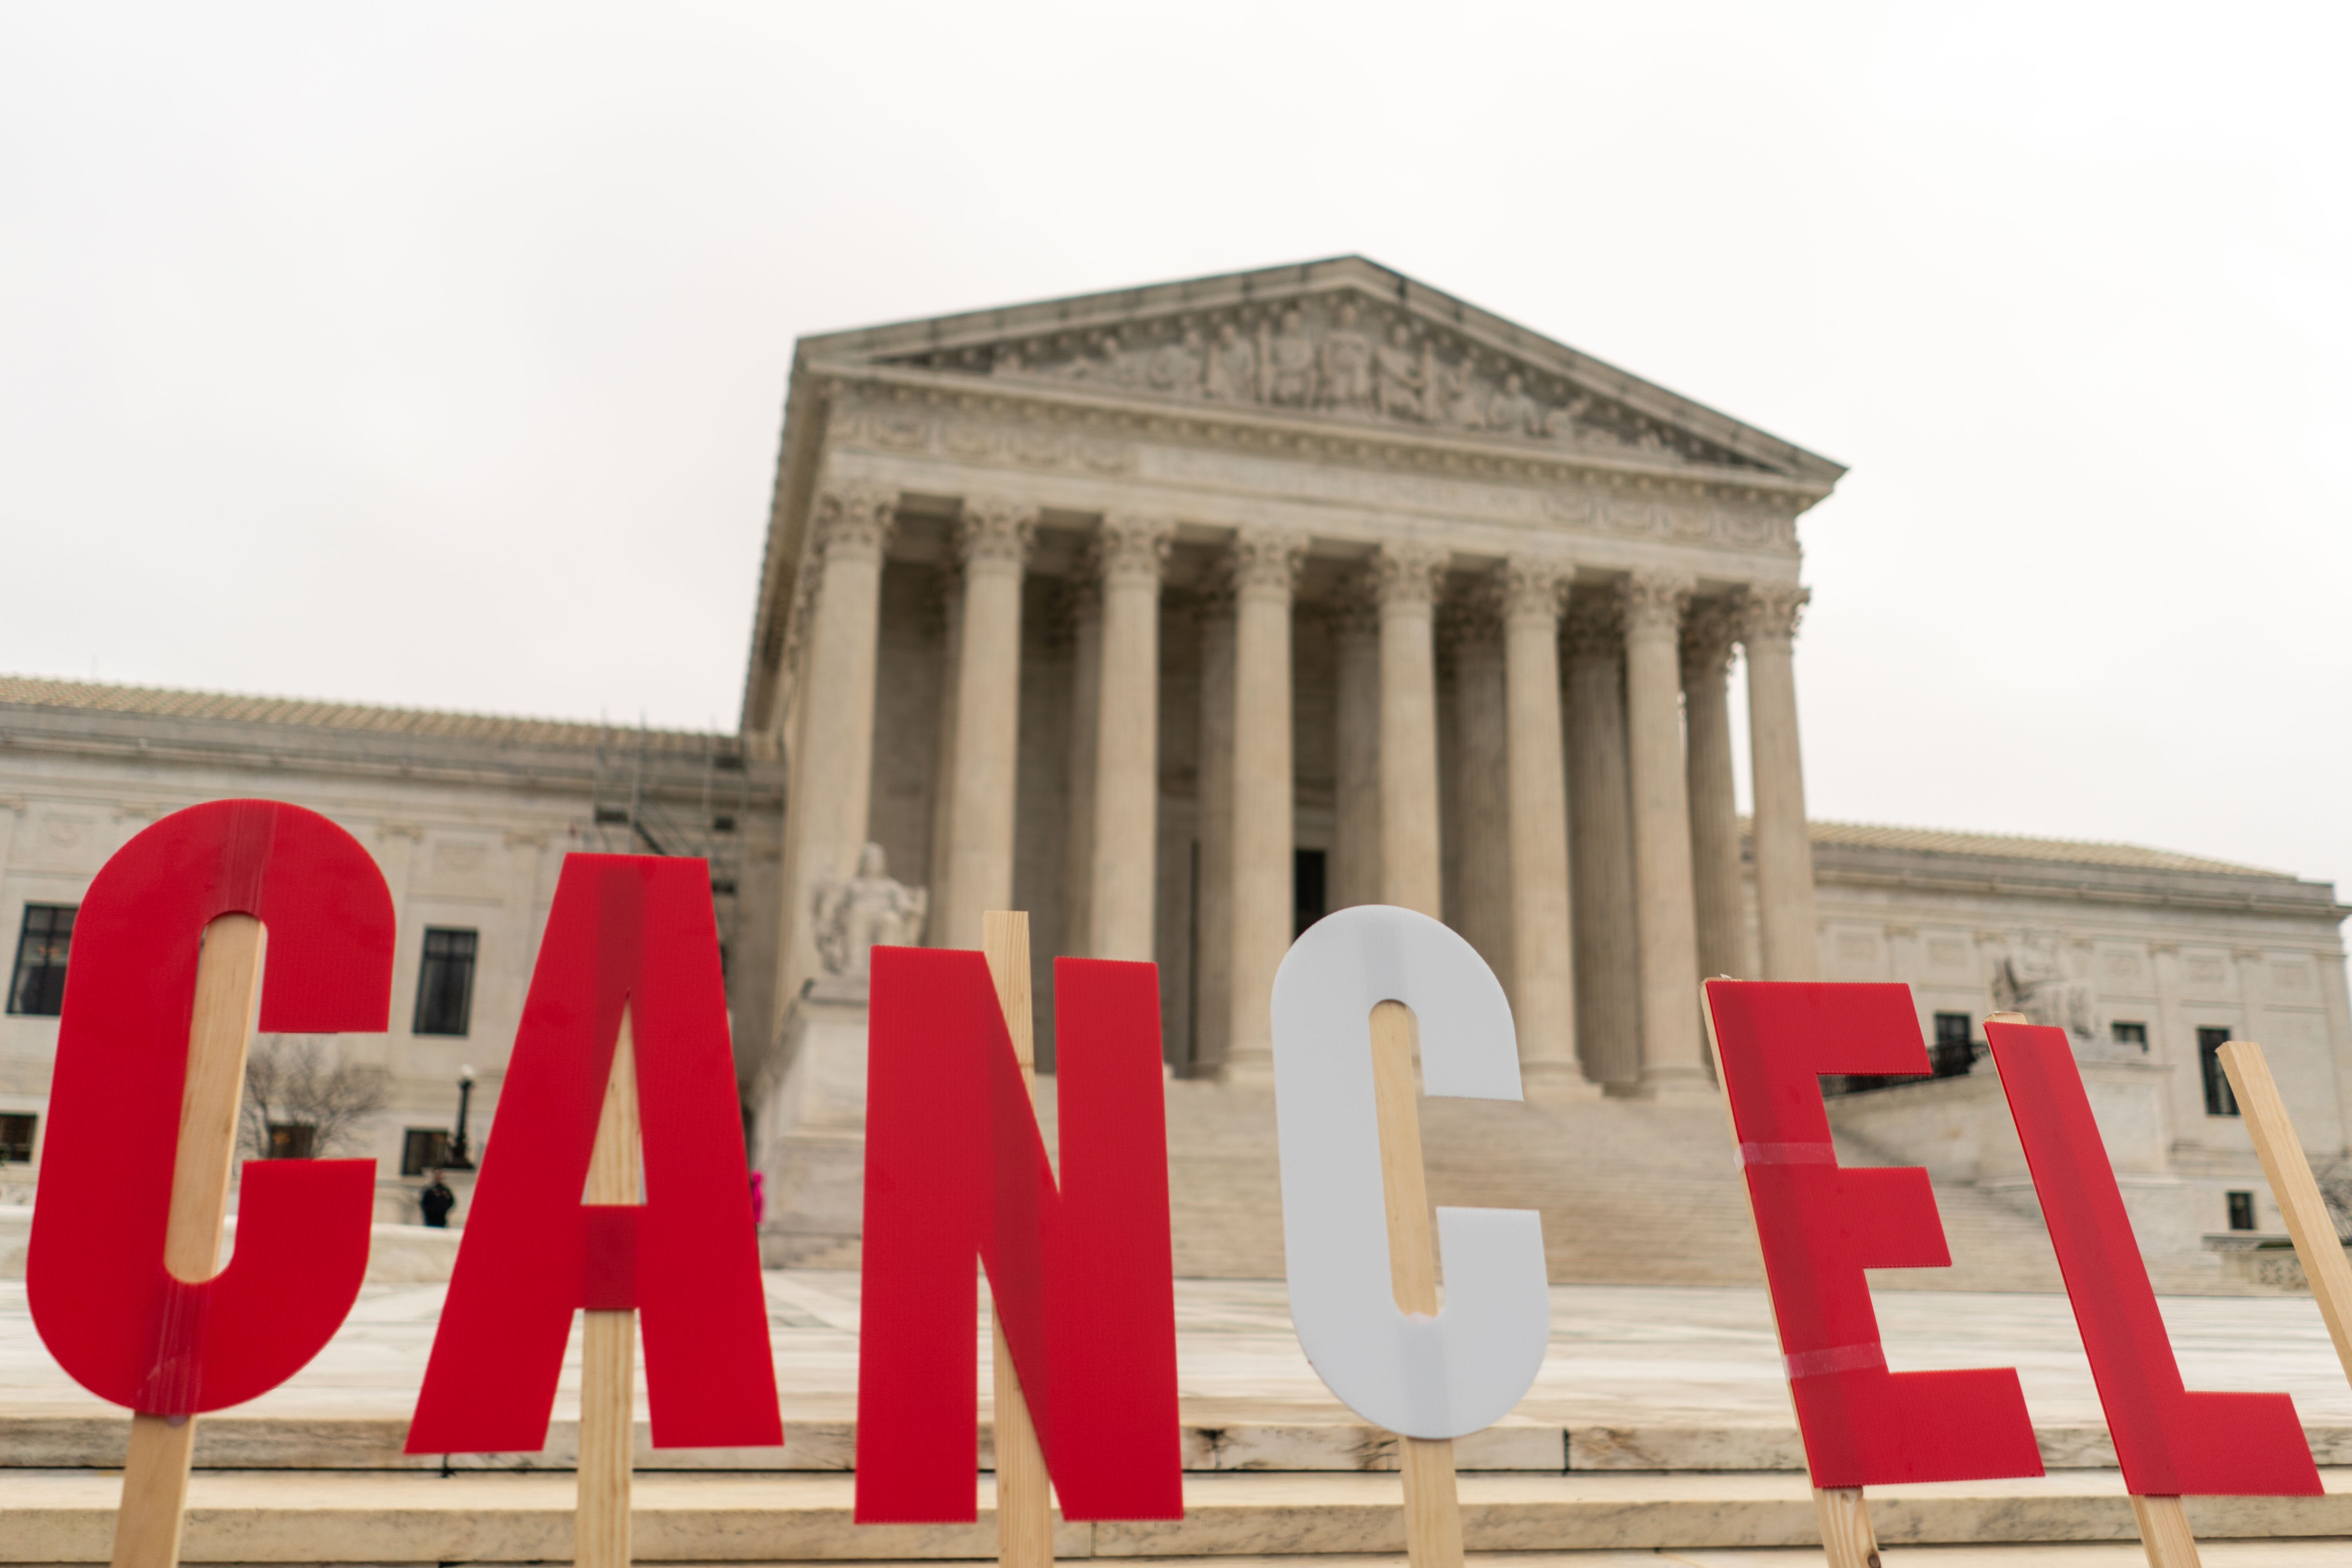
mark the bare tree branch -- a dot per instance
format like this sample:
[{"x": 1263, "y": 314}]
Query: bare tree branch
[{"x": 287, "y": 1083}]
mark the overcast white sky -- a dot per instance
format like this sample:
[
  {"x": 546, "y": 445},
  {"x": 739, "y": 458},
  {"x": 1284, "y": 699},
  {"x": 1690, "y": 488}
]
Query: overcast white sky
[{"x": 434, "y": 355}]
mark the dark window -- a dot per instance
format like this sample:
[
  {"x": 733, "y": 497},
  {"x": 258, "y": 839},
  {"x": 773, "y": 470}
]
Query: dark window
[
  {"x": 445, "y": 985},
  {"x": 2132, "y": 1034},
  {"x": 1306, "y": 894},
  {"x": 1952, "y": 1055},
  {"x": 39, "y": 987},
  {"x": 2219, "y": 1101},
  {"x": 16, "y": 1138},
  {"x": 2241, "y": 1210},
  {"x": 424, "y": 1149},
  {"x": 293, "y": 1140}
]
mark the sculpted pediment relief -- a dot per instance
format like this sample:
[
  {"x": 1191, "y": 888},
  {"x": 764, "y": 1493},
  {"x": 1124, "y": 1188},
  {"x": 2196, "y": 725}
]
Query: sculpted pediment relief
[{"x": 1339, "y": 355}]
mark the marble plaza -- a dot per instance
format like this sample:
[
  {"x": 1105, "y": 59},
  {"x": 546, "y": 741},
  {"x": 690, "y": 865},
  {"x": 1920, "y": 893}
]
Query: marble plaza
[
  {"x": 1657, "y": 1433},
  {"x": 1638, "y": 1378}
]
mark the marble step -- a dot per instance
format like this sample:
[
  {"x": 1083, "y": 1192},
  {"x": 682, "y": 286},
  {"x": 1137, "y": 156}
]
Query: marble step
[
  {"x": 374, "y": 1518},
  {"x": 1237, "y": 1439},
  {"x": 1630, "y": 1193}
]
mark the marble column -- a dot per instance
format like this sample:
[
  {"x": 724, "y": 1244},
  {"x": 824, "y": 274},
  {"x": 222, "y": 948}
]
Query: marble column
[
  {"x": 1264, "y": 571},
  {"x": 1784, "y": 850},
  {"x": 832, "y": 766},
  {"x": 945, "y": 604},
  {"x": 1543, "y": 971},
  {"x": 1083, "y": 606},
  {"x": 993, "y": 539},
  {"x": 1666, "y": 918},
  {"x": 1412, "y": 872},
  {"x": 1212, "y": 921},
  {"x": 1130, "y": 552},
  {"x": 1601, "y": 846},
  {"x": 1708, "y": 632},
  {"x": 1478, "y": 818},
  {"x": 1354, "y": 614}
]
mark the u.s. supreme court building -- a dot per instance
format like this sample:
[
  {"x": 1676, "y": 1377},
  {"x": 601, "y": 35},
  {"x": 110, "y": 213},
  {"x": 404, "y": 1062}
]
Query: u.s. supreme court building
[{"x": 1180, "y": 615}]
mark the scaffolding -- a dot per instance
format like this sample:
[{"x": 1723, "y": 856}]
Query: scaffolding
[{"x": 640, "y": 805}]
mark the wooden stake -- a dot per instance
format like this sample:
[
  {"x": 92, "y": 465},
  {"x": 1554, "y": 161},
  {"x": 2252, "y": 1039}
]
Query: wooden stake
[
  {"x": 2308, "y": 1221},
  {"x": 2164, "y": 1533},
  {"x": 1025, "y": 1500},
  {"x": 608, "y": 1340},
  {"x": 1433, "y": 1504},
  {"x": 1847, "y": 1539},
  {"x": 228, "y": 991},
  {"x": 1846, "y": 1536}
]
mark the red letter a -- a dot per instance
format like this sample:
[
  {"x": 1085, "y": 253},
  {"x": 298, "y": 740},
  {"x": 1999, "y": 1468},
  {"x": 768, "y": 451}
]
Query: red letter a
[
  {"x": 637, "y": 932},
  {"x": 1081, "y": 1277}
]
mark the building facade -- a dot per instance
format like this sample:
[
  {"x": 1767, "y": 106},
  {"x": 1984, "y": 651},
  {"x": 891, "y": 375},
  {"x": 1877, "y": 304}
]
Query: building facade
[
  {"x": 469, "y": 817},
  {"x": 1178, "y": 616}
]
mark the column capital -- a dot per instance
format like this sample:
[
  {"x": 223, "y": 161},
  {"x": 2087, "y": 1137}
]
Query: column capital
[
  {"x": 852, "y": 524},
  {"x": 1654, "y": 604},
  {"x": 1594, "y": 626},
  {"x": 1527, "y": 585},
  {"x": 1353, "y": 608},
  {"x": 1408, "y": 574},
  {"x": 1265, "y": 562},
  {"x": 1472, "y": 619},
  {"x": 1709, "y": 630},
  {"x": 995, "y": 531},
  {"x": 1769, "y": 612},
  {"x": 1130, "y": 546}
]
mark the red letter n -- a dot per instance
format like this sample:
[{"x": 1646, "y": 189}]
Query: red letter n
[{"x": 955, "y": 1170}]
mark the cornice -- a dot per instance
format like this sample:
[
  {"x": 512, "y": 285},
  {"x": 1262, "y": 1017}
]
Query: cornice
[
  {"x": 1304, "y": 282},
  {"x": 1307, "y": 437},
  {"x": 246, "y": 757},
  {"x": 1830, "y": 873}
]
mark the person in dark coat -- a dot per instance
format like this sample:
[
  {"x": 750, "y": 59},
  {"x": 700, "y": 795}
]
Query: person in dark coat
[{"x": 437, "y": 1200}]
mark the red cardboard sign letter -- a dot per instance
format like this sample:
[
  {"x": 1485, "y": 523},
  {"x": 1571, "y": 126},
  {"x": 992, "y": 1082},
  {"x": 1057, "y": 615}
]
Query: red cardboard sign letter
[
  {"x": 628, "y": 932},
  {"x": 2172, "y": 1443},
  {"x": 1821, "y": 1226},
  {"x": 1081, "y": 1277},
  {"x": 124, "y": 1326}
]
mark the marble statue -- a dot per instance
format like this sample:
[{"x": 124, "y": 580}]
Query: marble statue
[
  {"x": 1358, "y": 361},
  {"x": 1290, "y": 364},
  {"x": 1231, "y": 375},
  {"x": 1513, "y": 412},
  {"x": 2031, "y": 979},
  {"x": 1348, "y": 363},
  {"x": 854, "y": 914},
  {"x": 1397, "y": 370}
]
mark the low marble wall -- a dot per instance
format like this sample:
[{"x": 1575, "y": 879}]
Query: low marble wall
[
  {"x": 397, "y": 1254},
  {"x": 809, "y": 1131}
]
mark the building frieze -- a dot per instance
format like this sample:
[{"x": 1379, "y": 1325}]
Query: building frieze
[
  {"x": 986, "y": 430},
  {"x": 1339, "y": 356},
  {"x": 1065, "y": 424}
]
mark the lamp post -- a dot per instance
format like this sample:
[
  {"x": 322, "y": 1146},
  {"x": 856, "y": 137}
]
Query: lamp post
[{"x": 460, "y": 1157}]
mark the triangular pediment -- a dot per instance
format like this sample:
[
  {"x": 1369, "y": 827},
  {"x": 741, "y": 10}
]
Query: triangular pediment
[{"x": 1344, "y": 340}]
